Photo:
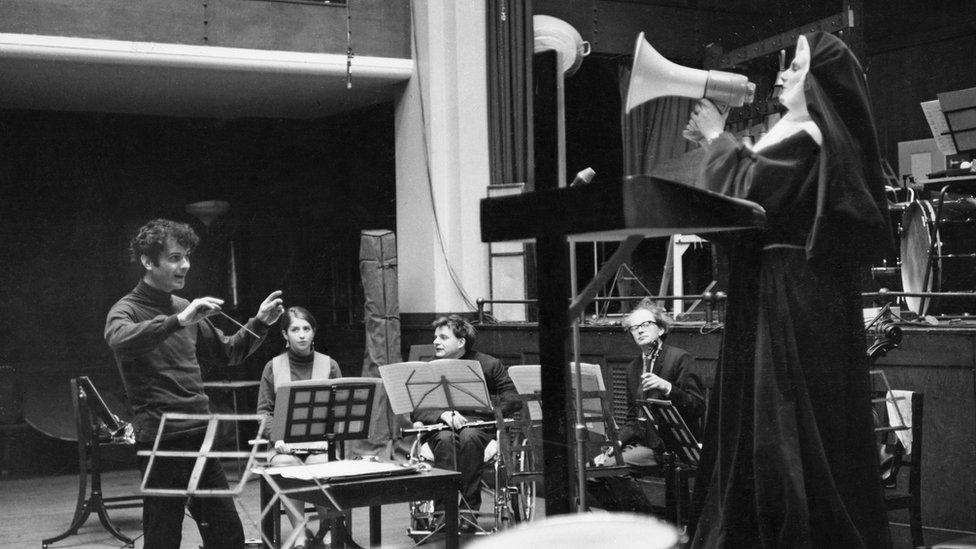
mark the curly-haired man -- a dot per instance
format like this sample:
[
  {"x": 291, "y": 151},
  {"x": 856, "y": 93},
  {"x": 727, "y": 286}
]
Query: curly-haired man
[{"x": 157, "y": 338}]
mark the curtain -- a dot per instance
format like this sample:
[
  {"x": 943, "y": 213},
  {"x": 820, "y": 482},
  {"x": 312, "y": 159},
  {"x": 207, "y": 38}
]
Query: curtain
[
  {"x": 652, "y": 131},
  {"x": 651, "y": 135},
  {"x": 510, "y": 45}
]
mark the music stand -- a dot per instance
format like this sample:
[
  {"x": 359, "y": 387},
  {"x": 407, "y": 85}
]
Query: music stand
[
  {"x": 201, "y": 456},
  {"x": 449, "y": 384},
  {"x": 671, "y": 427},
  {"x": 528, "y": 381},
  {"x": 89, "y": 409},
  {"x": 320, "y": 411},
  {"x": 325, "y": 411},
  {"x": 681, "y": 443}
]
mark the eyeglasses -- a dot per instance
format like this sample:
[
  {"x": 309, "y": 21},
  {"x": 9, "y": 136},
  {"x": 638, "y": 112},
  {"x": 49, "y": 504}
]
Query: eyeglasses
[{"x": 642, "y": 326}]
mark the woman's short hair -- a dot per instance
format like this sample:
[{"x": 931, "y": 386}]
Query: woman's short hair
[
  {"x": 661, "y": 317},
  {"x": 150, "y": 241},
  {"x": 300, "y": 313},
  {"x": 460, "y": 328}
]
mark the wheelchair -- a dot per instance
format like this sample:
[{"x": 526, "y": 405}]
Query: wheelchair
[{"x": 510, "y": 502}]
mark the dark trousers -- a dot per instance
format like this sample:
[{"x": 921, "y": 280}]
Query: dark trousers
[
  {"x": 470, "y": 446},
  {"x": 162, "y": 517}
]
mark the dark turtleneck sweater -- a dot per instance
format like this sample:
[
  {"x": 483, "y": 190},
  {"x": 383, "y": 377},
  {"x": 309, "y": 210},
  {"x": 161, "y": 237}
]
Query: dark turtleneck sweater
[
  {"x": 158, "y": 358},
  {"x": 301, "y": 370}
]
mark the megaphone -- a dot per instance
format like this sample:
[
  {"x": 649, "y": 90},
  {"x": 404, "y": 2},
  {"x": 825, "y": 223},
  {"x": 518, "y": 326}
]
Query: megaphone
[{"x": 653, "y": 76}]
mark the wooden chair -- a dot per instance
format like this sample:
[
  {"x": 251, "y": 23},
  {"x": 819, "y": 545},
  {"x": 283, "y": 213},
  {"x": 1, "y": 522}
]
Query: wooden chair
[{"x": 908, "y": 495}]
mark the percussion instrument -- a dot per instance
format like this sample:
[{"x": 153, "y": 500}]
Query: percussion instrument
[
  {"x": 888, "y": 273},
  {"x": 618, "y": 530},
  {"x": 939, "y": 256}
]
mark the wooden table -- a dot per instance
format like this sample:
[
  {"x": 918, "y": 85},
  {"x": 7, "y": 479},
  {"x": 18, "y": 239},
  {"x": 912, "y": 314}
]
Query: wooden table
[{"x": 373, "y": 492}]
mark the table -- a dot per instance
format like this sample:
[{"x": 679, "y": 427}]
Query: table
[{"x": 372, "y": 493}]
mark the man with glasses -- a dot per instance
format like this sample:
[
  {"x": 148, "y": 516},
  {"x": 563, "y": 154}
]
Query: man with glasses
[{"x": 661, "y": 372}]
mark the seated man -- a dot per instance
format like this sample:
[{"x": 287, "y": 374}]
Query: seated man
[
  {"x": 661, "y": 372},
  {"x": 462, "y": 448}
]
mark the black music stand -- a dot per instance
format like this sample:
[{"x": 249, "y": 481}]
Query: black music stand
[
  {"x": 332, "y": 411},
  {"x": 90, "y": 409},
  {"x": 684, "y": 453}
]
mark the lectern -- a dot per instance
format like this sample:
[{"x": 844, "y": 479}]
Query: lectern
[{"x": 627, "y": 210}]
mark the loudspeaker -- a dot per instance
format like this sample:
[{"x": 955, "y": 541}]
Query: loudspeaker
[{"x": 653, "y": 76}]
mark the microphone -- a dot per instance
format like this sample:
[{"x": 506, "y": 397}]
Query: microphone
[{"x": 583, "y": 177}]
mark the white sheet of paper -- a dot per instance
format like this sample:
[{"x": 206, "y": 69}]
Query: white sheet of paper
[
  {"x": 346, "y": 468},
  {"x": 939, "y": 126},
  {"x": 411, "y": 385},
  {"x": 528, "y": 381}
]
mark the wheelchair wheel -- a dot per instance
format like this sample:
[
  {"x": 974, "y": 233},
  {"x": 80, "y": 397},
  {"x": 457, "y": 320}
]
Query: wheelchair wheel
[
  {"x": 522, "y": 493},
  {"x": 421, "y": 520}
]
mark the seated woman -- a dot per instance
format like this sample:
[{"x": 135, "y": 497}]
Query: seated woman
[{"x": 299, "y": 362}]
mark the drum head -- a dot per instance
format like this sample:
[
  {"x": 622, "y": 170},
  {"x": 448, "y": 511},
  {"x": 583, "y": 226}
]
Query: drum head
[
  {"x": 585, "y": 530},
  {"x": 916, "y": 240}
]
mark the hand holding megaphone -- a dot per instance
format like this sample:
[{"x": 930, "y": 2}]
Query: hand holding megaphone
[{"x": 706, "y": 123}]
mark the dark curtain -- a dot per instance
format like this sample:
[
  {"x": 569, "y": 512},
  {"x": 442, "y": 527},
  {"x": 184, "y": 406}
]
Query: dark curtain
[
  {"x": 510, "y": 139},
  {"x": 510, "y": 44},
  {"x": 652, "y": 131},
  {"x": 651, "y": 135}
]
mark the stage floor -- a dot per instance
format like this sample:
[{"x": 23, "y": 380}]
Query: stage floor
[{"x": 38, "y": 508}]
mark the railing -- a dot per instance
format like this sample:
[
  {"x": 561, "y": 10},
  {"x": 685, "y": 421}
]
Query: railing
[{"x": 713, "y": 302}]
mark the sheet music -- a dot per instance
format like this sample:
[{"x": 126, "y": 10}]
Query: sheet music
[
  {"x": 940, "y": 128},
  {"x": 528, "y": 381},
  {"x": 395, "y": 382},
  {"x": 527, "y": 378},
  {"x": 412, "y": 385},
  {"x": 341, "y": 469}
]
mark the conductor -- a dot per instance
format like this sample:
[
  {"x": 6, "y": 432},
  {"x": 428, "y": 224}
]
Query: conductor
[{"x": 157, "y": 338}]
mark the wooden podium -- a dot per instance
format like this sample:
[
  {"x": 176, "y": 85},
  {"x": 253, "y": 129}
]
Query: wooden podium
[{"x": 627, "y": 210}]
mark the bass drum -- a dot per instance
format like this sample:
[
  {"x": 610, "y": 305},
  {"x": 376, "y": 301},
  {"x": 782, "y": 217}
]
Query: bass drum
[
  {"x": 887, "y": 274},
  {"x": 953, "y": 264}
]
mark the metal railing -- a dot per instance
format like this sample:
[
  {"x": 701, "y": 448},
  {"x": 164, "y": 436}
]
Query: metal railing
[{"x": 713, "y": 302}]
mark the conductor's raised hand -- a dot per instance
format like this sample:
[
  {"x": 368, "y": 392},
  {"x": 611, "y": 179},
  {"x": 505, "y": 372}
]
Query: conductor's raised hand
[
  {"x": 199, "y": 309},
  {"x": 271, "y": 308}
]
